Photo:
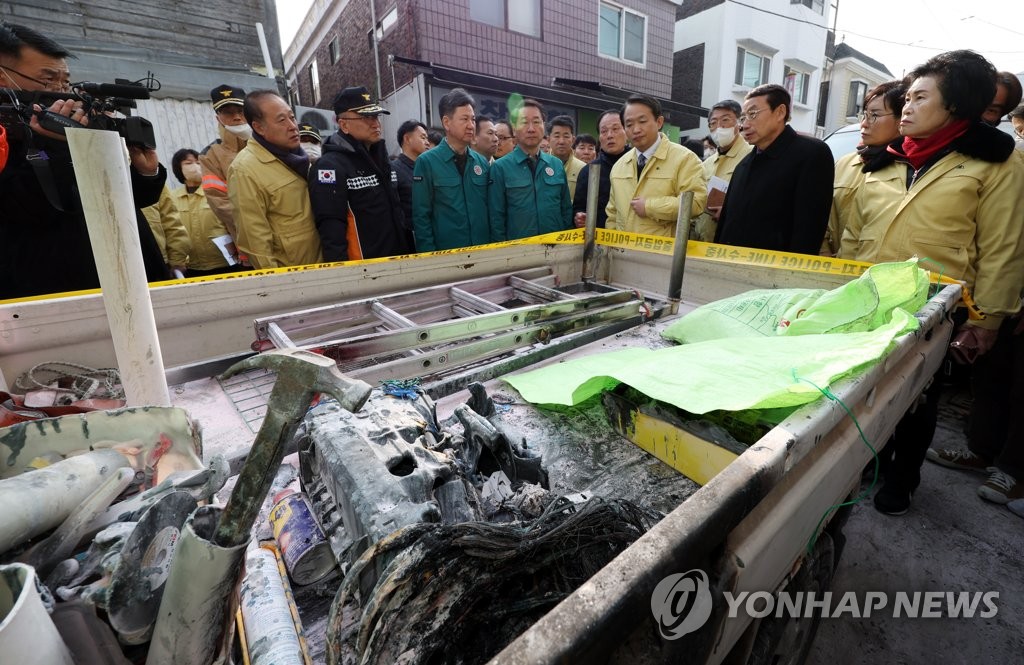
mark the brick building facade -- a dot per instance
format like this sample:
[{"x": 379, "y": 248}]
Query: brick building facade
[{"x": 554, "y": 50}]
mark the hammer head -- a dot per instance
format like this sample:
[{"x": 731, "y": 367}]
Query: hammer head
[{"x": 302, "y": 373}]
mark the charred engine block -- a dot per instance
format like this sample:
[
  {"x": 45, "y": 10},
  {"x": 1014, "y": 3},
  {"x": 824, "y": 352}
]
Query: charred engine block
[{"x": 391, "y": 465}]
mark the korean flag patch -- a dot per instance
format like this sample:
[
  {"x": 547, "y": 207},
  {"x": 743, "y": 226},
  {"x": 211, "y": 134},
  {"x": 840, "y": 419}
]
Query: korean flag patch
[{"x": 326, "y": 176}]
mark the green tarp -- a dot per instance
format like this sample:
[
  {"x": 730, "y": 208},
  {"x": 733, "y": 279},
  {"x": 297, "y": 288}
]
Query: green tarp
[{"x": 764, "y": 354}]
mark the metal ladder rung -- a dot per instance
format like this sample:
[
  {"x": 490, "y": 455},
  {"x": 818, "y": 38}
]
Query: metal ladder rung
[
  {"x": 278, "y": 337},
  {"x": 389, "y": 316},
  {"x": 472, "y": 302},
  {"x": 536, "y": 290}
]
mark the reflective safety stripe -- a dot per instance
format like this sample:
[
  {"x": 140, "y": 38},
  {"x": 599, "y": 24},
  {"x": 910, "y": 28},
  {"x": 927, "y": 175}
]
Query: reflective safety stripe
[
  {"x": 622, "y": 240},
  {"x": 213, "y": 182}
]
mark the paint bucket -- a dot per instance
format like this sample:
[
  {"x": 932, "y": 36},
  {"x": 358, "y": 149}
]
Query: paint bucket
[
  {"x": 27, "y": 635},
  {"x": 269, "y": 624},
  {"x": 305, "y": 551}
]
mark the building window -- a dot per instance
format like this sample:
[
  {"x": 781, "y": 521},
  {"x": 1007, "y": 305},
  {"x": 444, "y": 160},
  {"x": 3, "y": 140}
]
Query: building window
[
  {"x": 622, "y": 33},
  {"x": 816, "y": 5},
  {"x": 855, "y": 102},
  {"x": 314, "y": 82},
  {"x": 335, "y": 49},
  {"x": 752, "y": 69},
  {"x": 386, "y": 22},
  {"x": 516, "y": 15},
  {"x": 797, "y": 83}
]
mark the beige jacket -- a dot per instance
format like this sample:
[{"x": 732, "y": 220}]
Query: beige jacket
[
  {"x": 169, "y": 231},
  {"x": 848, "y": 180},
  {"x": 671, "y": 171},
  {"x": 202, "y": 226},
  {"x": 572, "y": 173},
  {"x": 964, "y": 214},
  {"x": 216, "y": 159},
  {"x": 273, "y": 215}
]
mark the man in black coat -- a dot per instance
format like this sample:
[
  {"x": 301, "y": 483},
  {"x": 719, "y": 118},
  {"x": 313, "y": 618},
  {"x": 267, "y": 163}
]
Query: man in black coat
[
  {"x": 781, "y": 193},
  {"x": 353, "y": 188},
  {"x": 412, "y": 142},
  {"x": 44, "y": 240},
  {"x": 613, "y": 145}
]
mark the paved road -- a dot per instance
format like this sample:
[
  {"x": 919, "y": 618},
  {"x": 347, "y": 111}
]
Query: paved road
[{"x": 950, "y": 540}]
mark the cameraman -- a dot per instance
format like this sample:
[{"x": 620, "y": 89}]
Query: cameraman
[{"x": 45, "y": 247}]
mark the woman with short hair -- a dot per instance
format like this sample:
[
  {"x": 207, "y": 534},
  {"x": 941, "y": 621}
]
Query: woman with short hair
[
  {"x": 949, "y": 192},
  {"x": 879, "y": 126}
]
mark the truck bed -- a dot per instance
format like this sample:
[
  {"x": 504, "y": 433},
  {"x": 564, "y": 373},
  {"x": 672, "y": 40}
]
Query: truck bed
[{"x": 750, "y": 523}]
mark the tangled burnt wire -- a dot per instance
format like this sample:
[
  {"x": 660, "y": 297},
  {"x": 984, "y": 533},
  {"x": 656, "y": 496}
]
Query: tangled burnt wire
[{"x": 458, "y": 594}]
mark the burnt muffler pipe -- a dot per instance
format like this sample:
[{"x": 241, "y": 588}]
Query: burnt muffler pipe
[
  {"x": 590, "y": 230},
  {"x": 675, "y": 280}
]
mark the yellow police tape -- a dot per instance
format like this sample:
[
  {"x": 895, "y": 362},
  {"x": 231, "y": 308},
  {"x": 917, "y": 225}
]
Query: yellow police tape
[{"x": 604, "y": 237}]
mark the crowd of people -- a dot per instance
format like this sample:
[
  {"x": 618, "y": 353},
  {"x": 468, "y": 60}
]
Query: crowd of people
[{"x": 932, "y": 179}]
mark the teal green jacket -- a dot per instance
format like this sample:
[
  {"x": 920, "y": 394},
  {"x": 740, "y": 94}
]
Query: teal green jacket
[
  {"x": 449, "y": 210},
  {"x": 527, "y": 204}
]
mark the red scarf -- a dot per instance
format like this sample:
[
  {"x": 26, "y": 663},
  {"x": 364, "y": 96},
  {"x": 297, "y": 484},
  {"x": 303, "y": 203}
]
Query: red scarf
[{"x": 919, "y": 151}]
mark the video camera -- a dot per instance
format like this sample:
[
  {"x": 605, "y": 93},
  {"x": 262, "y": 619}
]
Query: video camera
[{"x": 108, "y": 105}]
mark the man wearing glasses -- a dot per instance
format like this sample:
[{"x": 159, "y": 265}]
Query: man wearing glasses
[
  {"x": 505, "y": 137},
  {"x": 354, "y": 189},
  {"x": 45, "y": 244},
  {"x": 722, "y": 122},
  {"x": 781, "y": 193}
]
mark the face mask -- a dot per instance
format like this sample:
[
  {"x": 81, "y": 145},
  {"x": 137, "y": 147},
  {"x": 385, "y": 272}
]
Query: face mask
[
  {"x": 192, "y": 172},
  {"x": 725, "y": 136},
  {"x": 709, "y": 152},
  {"x": 314, "y": 150},
  {"x": 241, "y": 131}
]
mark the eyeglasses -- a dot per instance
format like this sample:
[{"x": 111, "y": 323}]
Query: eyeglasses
[
  {"x": 871, "y": 117},
  {"x": 364, "y": 118},
  {"x": 751, "y": 115},
  {"x": 502, "y": 139},
  {"x": 49, "y": 84}
]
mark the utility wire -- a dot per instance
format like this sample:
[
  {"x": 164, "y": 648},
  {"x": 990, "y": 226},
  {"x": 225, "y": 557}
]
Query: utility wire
[{"x": 788, "y": 18}]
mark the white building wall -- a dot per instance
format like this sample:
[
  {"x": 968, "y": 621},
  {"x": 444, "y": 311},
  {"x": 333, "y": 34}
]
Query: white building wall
[
  {"x": 787, "y": 41},
  {"x": 178, "y": 124},
  {"x": 844, "y": 72},
  {"x": 406, "y": 103}
]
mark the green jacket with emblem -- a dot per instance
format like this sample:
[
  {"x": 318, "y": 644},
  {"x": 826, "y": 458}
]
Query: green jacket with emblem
[
  {"x": 449, "y": 210},
  {"x": 525, "y": 204}
]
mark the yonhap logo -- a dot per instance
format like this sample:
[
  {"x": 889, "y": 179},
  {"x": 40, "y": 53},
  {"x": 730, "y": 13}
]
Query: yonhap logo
[{"x": 681, "y": 603}]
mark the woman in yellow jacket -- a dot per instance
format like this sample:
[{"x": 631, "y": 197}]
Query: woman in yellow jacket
[
  {"x": 879, "y": 126},
  {"x": 202, "y": 224},
  {"x": 950, "y": 194}
]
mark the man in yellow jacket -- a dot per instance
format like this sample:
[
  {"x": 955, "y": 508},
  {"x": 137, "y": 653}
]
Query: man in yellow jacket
[
  {"x": 732, "y": 148},
  {"x": 267, "y": 186},
  {"x": 647, "y": 181}
]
